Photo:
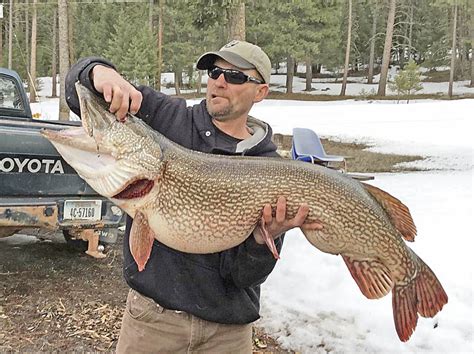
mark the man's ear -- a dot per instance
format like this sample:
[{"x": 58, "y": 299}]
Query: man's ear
[{"x": 262, "y": 92}]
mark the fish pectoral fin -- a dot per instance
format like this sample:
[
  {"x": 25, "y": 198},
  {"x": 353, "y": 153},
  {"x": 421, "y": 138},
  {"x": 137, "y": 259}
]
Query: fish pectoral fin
[
  {"x": 372, "y": 277},
  {"x": 268, "y": 239},
  {"x": 141, "y": 240},
  {"x": 396, "y": 210}
]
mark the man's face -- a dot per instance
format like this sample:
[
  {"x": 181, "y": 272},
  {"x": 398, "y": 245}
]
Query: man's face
[{"x": 229, "y": 101}]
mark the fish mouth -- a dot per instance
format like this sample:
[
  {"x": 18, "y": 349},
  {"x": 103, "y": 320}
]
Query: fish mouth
[
  {"x": 101, "y": 153},
  {"x": 136, "y": 189},
  {"x": 97, "y": 165},
  {"x": 76, "y": 138}
]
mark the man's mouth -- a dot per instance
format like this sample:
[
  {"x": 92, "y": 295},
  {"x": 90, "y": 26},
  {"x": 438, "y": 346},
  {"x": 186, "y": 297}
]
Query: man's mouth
[{"x": 216, "y": 96}]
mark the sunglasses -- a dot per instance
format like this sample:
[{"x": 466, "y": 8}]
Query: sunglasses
[{"x": 232, "y": 76}]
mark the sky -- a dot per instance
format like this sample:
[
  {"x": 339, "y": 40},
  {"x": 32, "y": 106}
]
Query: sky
[{"x": 310, "y": 302}]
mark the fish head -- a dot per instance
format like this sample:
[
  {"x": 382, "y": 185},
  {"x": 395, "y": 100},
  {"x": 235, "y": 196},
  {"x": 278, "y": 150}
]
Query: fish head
[{"x": 119, "y": 160}]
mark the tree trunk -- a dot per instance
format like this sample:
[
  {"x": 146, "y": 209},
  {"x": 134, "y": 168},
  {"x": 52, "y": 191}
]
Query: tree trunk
[
  {"x": 32, "y": 74},
  {"x": 63, "y": 58},
  {"x": 10, "y": 35},
  {"x": 348, "y": 51},
  {"x": 290, "y": 67},
  {"x": 402, "y": 48},
  {"x": 199, "y": 83},
  {"x": 159, "y": 64},
  {"x": 236, "y": 22},
  {"x": 70, "y": 32},
  {"x": 370, "y": 76},
  {"x": 472, "y": 70},
  {"x": 471, "y": 30},
  {"x": 150, "y": 15},
  {"x": 453, "y": 51},
  {"x": 27, "y": 32},
  {"x": 177, "y": 81},
  {"x": 1, "y": 41},
  {"x": 316, "y": 68},
  {"x": 410, "y": 31},
  {"x": 54, "y": 54},
  {"x": 309, "y": 74},
  {"x": 387, "y": 48}
]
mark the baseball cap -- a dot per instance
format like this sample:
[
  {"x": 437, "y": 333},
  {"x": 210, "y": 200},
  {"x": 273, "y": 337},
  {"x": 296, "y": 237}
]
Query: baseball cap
[{"x": 243, "y": 55}]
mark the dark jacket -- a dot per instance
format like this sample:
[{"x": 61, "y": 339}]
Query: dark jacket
[{"x": 222, "y": 287}]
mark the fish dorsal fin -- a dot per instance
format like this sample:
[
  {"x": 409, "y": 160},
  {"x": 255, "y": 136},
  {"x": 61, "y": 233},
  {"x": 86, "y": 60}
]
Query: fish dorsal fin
[
  {"x": 372, "y": 277},
  {"x": 396, "y": 210},
  {"x": 141, "y": 240}
]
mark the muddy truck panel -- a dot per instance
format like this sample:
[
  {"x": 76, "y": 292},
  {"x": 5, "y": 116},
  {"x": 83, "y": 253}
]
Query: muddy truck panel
[
  {"x": 31, "y": 166},
  {"x": 38, "y": 189}
]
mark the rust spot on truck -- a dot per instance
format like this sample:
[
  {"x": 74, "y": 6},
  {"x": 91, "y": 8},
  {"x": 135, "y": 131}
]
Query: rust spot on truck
[{"x": 45, "y": 216}]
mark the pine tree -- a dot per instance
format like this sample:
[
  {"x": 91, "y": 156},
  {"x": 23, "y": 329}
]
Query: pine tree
[
  {"x": 132, "y": 48},
  {"x": 296, "y": 31},
  {"x": 408, "y": 81}
]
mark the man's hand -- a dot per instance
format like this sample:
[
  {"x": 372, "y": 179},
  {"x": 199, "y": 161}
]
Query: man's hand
[
  {"x": 117, "y": 91},
  {"x": 280, "y": 223}
]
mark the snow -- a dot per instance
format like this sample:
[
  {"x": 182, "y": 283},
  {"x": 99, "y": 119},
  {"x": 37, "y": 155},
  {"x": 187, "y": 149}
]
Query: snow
[
  {"x": 358, "y": 88},
  {"x": 435, "y": 129},
  {"x": 310, "y": 302},
  {"x": 311, "y": 298},
  {"x": 356, "y": 85}
]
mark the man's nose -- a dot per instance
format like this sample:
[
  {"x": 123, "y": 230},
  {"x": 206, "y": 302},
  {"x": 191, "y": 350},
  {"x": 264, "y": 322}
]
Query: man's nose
[{"x": 220, "y": 81}]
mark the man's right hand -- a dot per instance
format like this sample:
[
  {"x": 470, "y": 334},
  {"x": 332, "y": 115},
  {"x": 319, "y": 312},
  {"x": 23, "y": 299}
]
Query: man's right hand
[{"x": 117, "y": 91}]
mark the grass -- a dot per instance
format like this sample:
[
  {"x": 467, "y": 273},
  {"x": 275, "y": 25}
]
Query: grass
[{"x": 358, "y": 158}]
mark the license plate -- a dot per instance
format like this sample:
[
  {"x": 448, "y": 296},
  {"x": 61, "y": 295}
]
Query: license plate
[{"x": 83, "y": 210}]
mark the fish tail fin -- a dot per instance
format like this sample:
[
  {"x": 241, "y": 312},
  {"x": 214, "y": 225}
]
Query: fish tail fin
[
  {"x": 424, "y": 295},
  {"x": 404, "y": 305},
  {"x": 429, "y": 291}
]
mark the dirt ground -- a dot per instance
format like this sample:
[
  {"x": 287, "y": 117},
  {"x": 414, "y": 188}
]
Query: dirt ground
[{"x": 55, "y": 299}]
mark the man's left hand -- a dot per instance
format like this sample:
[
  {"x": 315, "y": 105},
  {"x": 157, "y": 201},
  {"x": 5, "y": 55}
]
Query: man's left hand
[{"x": 280, "y": 223}]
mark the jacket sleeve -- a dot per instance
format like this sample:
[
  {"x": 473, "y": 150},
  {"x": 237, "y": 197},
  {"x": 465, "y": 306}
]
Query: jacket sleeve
[
  {"x": 162, "y": 112},
  {"x": 249, "y": 263},
  {"x": 81, "y": 72}
]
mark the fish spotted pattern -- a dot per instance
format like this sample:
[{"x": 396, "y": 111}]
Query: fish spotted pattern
[{"x": 202, "y": 203}]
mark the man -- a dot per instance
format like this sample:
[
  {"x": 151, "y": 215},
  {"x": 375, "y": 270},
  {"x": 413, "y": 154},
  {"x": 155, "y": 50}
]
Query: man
[{"x": 198, "y": 302}]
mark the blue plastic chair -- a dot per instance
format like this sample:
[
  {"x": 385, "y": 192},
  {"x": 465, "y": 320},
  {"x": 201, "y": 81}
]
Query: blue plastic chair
[{"x": 308, "y": 147}]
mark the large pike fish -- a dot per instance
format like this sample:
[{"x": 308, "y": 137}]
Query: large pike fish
[{"x": 202, "y": 203}]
